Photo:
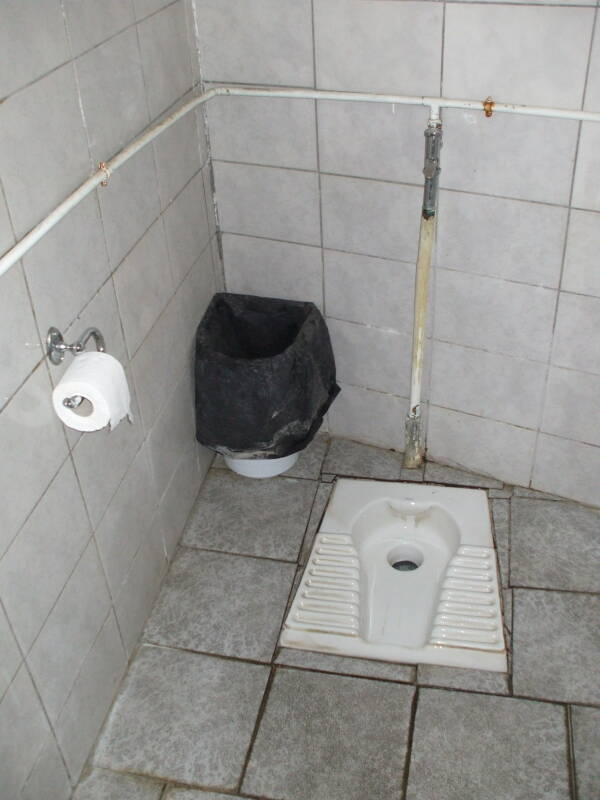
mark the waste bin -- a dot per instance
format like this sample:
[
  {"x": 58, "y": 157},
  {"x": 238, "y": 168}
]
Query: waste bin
[{"x": 265, "y": 377}]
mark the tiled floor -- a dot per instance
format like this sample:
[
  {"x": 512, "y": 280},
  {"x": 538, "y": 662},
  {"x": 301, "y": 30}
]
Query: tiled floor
[{"x": 211, "y": 709}]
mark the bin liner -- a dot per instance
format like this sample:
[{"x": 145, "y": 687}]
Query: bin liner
[{"x": 265, "y": 375}]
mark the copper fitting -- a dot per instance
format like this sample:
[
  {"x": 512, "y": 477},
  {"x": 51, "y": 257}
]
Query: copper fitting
[{"x": 488, "y": 107}]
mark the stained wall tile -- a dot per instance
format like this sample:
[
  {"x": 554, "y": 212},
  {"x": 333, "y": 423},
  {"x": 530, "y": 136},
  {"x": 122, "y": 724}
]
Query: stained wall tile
[
  {"x": 378, "y": 47},
  {"x": 263, "y": 41}
]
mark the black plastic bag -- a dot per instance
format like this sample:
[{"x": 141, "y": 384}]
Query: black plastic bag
[{"x": 265, "y": 375}]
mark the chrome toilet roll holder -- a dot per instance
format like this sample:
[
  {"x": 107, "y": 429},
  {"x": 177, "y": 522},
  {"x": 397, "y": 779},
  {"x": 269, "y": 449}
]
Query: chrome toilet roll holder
[{"x": 56, "y": 347}]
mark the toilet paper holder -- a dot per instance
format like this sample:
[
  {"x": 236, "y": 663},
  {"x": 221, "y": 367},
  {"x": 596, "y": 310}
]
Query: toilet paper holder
[{"x": 56, "y": 347}]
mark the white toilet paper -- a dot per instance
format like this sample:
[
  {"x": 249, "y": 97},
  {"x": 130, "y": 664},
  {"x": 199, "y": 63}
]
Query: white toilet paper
[{"x": 99, "y": 379}]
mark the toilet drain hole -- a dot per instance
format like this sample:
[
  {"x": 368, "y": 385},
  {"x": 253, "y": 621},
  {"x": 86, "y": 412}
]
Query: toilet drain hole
[
  {"x": 405, "y": 566},
  {"x": 405, "y": 557}
]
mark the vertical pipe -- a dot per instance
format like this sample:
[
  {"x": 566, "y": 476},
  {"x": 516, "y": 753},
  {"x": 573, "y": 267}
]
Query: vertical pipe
[{"x": 414, "y": 450}]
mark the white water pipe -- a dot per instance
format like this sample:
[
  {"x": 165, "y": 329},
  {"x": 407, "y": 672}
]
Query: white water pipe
[{"x": 102, "y": 174}]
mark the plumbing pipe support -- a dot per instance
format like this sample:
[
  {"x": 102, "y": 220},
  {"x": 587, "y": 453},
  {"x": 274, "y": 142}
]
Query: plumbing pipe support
[{"x": 414, "y": 449}]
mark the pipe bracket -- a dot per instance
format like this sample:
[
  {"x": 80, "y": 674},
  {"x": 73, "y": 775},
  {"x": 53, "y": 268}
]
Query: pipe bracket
[{"x": 488, "y": 106}]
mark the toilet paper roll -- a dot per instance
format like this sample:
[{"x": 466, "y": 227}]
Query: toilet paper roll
[{"x": 99, "y": 379}]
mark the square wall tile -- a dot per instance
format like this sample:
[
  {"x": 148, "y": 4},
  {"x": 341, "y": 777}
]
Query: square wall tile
[
  {"x": 581, "y": 259},
  {"x": 43, "y": 555},
  {"x": 127, "y": 521},
  {"x": 7, "y": 238},
  {"x": 576, "y": 333},
  {"x": 69, "y": 632},
  {"x": 551, "y": 624},
  {"x": 49, "y": 777},
  {"x": 362, "y": 216},
  {"x": 489, "y": 385},
  {"x": 165, "y": 57},
  {"x": 180, "y": 152},
  {"x": 554, "y": 545},
  {"x": 142, "y": 583},
  {"x": 178, "y": 499},
  {"x": 263, "y": 41},
  {"x": 273, "y": 269},
  {"x": 343, "y": 738},
  {"x": 373, "y": 417},
  {"x": 371, "y": 291},
  {"x": 33, "y": 40},
  {"x": 144, "y": 284},
  {"x": 76, "y": 249},
  {"x": 113, "y": 98},
  {"x": 566, "y": 468},
  {"x": 278, "y": 132},
  {"x": 19, "y": 357},
  {"x": 372, "y": 140},
  {"x": 93, "y": 691},
  {"x": 378, "y": 47},
  {"x": 537, "y": 155},
  {"x": 184, "y": 717},
  {"x": 42, "y": 124},
  {"x": 259, "y": 518},
  {"x": 33, "y": 446},
  {"x": 231, "y": 622},
  {"x": 501, "y": 238},
  {"x": 592, "y": 90},
  {"x": 186, "y": 223},
  {"x": 274, "y": 203},
  {"x": 371, "y": 357},
  {"x": 166, "y": 344},
  {"x": 90, "y": 23},
  {"x": 129, "y": 204},
  {"x": 507, "y": 749},
  {"x": 586, "y": 187},
  {"x": 499, "y": 316},
  {"x": 24, "y": 730},
  {"x": 565, "y": 391},
  {"x": 10, "y": 655},
  {"x": 508, "y": 59},
  {"x": 485, "y": 445},
  {"x": 173, "y": 432}
]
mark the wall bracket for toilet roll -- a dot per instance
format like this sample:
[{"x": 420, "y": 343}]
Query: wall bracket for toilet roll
[{"x": 56, "y": 347}]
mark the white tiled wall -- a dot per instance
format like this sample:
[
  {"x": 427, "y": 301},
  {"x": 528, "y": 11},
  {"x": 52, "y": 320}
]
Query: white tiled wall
[
  {"x": 321, "y": 201},
  {"x": 88, "y": 522}
]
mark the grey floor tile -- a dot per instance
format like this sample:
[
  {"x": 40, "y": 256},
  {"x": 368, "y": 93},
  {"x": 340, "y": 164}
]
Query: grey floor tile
[
  {"x": 501, "y": 518},
  {"x": 501, "y": 494},
  {"x": 556, "y": 645},
  {"x": 362, "y": 668},
  {"x": 316, "y": 515},
  {"x": 586, "y": 742},
  {"x": 326, "y": 737},
  {"x": 192, "y": 794},
  {"x": 471, "y": 680},
  {"x": 555, "y": 545},
  {"x": 487, "y": 748},
  {"x": 507, "y": 598},
  {"x": 521, "y": 491},
  {"x": 310, "y": 460},
  {"x": 362, "y": 461},
  {"x": 438, "y": 473},
  {"x": 223, "y": 604},
  {"x": 183, "y": 717},
  {"x": 101, "y": 784},
  {"x": 249, "y": 516}
]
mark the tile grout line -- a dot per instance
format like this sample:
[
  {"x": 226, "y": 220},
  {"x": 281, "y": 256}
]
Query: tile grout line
[
  {"x": 549, "y": 361},
  {"x": 571, "y": 761},
  {"x": 259, "y": 716},
  {"x": 409, "y": 743}
]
